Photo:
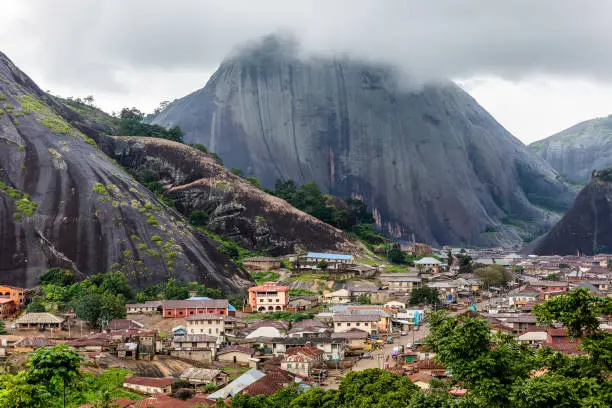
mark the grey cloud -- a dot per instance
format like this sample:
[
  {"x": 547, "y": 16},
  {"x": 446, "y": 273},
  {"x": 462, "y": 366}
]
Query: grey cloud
[{"x": 91, "y": 41}]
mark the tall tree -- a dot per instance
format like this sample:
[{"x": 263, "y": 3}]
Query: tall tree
[{"x": 49, "y": 364}]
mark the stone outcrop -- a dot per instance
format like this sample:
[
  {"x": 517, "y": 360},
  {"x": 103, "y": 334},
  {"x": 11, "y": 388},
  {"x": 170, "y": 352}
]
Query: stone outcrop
[
  {"x": 577, "y": 151},
  {"x": 63, "y": 202},
  {"x": 237, "y": 209},
  {"x": 427, "y": 159}
]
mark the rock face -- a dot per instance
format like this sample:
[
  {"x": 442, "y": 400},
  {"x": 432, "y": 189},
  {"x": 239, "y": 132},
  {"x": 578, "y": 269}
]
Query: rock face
[
  {"x": 577, "y": 151},
  {"x": 430, "y": 162},
  {"x": 237, "y": 209},
  {"x": 585, "y": 228},
  {"x": 63, "y": 202}
]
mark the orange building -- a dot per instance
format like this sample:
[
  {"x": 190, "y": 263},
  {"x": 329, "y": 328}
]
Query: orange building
[
  {"x": 7, "y": 307},
  {"x": 269, "y": 297},
  {"x": 17, "y": 295}
]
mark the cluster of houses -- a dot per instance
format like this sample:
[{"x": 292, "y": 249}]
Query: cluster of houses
[{"x": 348, "y": 324}]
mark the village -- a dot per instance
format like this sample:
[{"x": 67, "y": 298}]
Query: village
[{"x": 310, "y": 319}]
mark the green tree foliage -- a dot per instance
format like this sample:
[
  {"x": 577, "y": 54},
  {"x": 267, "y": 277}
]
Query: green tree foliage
[
  {"x": 578, "y": 311},
  {"x": 236, "y": 172},
  {"x": 254, "y": 181},
  {"x": 2, "y": 327},
  {"x": 57, "y": 276},
  {"x": 396, "y": 255},
  {"x": 323, "y": 265},
  {"x": 424, "y": 295},
  {"x": 17, "y": 392},
  {"x": 465, "y": 263},
  {"x": 198, "y": 218},
  {"x": 493, "y": 275},
  {"x": 36, "y": 305},
  {"x": 131, "y": 124},
  {"x": 174, "y": 289},
  {"x": 50, "y": 365}
]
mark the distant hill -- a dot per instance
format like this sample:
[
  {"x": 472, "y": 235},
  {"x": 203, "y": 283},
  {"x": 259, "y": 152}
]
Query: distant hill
[
  {"x": 585, "y": 227},
  {"x": 427, "y": 159},
  {"x": 577, "y": 151}
]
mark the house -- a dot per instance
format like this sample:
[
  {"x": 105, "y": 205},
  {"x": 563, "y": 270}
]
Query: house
[
  {"x": 205, "y": 376},
  {"x": 338, "y": 297},
  {"x": 421, "y": 380},
  {"x": 7, "y": 308},
  {"x": 184, "y": 308},
  {"x": 312, "y": 260},
  {"x": 302, "y": 360},
  {"x": 266, "y": 328},
  {"x": 236, "y": 386},
  {"x": 235, "y": 354},
  {"x": 428, "y": 263},
  {"x": 149, "y": 385},
  {"x": 123, "y": 324},
  {"x": 365, "y": 322},
  {"x": 559, "y": 336},
  {"x": 300, "y": 303},
  {"x": 275, "y": 380},
  {"x": 548, "y": 289},
  {"x": 533, "y": 336},
  {"x": 403, "y": 283},
  {"x": 353, "y": 338},
  {"x": 206, "y": 323},
  {"x": 194, "y": 341},
  {"x": 269, "y": 297},
  {"x": 522, "y": 298},
  {"x": 39, "y": 321},
  {"x": 17, "y": 295},
  {"x": 150, "y": 307},
  {"x": 30, "y": 344},
  {"x": 309, "y": 328},
  {"x": 232, "y": 324},
  {"x": 179, "y": 330},
  {"x": 262, "y": 263},
  {"x": 89, "y": 344}
]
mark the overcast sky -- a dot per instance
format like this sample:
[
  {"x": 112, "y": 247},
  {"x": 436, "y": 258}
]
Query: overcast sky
[{"x": 538, "y": 66}]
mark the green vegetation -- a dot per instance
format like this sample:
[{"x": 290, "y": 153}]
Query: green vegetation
[
  {"x": 603, "y": 175},
  {"x": 53, "y": 379},
  {"x": 281, "y": 315},
  {"x": 494, "y": 275},
  {"x": 424, "y": 296},
  {"x": 36, "y": 305},
  {"x": 2, "y": 328},
  {"x": 261, "y": 277},
  {"x": 175, "y": 289},
  {"x": 47, "y": 116},
  {"x": 25, "y": 206},
  {"x": 131, "y": 124},
  {"x": 86, "y": 108}
]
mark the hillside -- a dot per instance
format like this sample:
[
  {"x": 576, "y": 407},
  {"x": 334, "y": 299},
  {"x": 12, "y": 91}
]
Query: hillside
[
  {"x": 577, "y": 151},
  {"x": 428, "y": 160},
  {"x": 64, "y": 203},
  {"x": 585, "y": 228},
  {"x": 235, "y": 208}
]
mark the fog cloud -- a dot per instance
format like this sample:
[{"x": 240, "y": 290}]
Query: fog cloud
[{"x": 99, "y": 45}]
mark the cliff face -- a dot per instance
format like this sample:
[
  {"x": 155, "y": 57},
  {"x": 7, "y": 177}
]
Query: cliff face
[
  {"x": 63, "y": 202},
  {"x": 585, "y": 228},
  {"x": 236, "y": 209},
  {"x": 430, "y": 162},
  {"x": 577, "y": 151}
]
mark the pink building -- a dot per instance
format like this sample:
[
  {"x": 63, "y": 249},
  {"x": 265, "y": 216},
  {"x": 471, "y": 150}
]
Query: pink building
[{"x": 269, "y": 297}]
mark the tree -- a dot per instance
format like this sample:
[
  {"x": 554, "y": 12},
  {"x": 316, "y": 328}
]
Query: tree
[
  {"x": 450, "y": 258},
  {"x": 254, "y": 181},
  {"x": 17, "y": 392},
  {"x": 2, "y": 327},
  {"x": 36, "y": 306},
  {"x": 493, "y": 275},
  {"x": 396, "y": 255},
  {"x": 57, "y": 276},
  {"x": 578, "y": 311},
  {"x": 89, "y": 100},
  {"x": 424, "y": 295},
  {"x": 609, "y": 264},
  {"x": 237, "y": 172},
  {"x": 198, "y": 218},
  {"x": 323, "y": 265},
  {"x": 50, "y": 364},
  {"x": 131, "y": 113},
  {"x": 89, "y": 308},
  {"x": 465, "y": 262}
]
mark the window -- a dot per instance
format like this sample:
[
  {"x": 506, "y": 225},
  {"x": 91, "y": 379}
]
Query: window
[
  {"x": 365, "y": 324},
  {"x": 289, "y": 365},
  {"x": 191, "y": 312},
  {"x": 209, "y": 331},
  {"x": 348, "y": 325},
  {"x": 210, "y": 322},
  {"x": 338, "y": 324},
  {"x": 217, "y": 330},
  {"x": 358, "y": 324},
  {"x": 201, "y": 330},
  {"x": 277, "y": 300},
  {"x": 181, "y": 313}
]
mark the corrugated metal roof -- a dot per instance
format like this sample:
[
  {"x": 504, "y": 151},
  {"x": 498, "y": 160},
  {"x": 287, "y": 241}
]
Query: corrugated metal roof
[
  {"x": 237, "y": 385},
  {"x": 335, "y": 257}
]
